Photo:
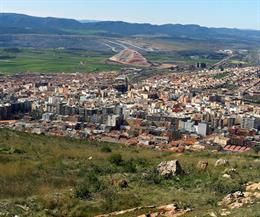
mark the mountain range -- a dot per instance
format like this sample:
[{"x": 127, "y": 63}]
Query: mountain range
[{"x": 11, "y": 23}]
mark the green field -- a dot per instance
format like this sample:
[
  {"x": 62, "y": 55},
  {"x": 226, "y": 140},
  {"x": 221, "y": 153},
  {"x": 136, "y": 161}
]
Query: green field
[
  {"x": 68, "y": 177},
  {"x": 178, "y": 59},
  {"x": 53, "y": 60},
  {"x": 28, "y": 60}
]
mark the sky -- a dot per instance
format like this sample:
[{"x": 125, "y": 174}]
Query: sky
[{"x": 243, "y": 14}]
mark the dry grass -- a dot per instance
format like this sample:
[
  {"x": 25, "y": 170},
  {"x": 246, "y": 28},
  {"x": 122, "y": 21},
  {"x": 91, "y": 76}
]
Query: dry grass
[{"x": 51, "y": 165}]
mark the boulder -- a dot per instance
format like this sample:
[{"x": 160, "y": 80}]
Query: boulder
[
  {"x": 221, "y": 162},
  {"x": 202, "y": 165},
  {"x": 169, "y": 168}
]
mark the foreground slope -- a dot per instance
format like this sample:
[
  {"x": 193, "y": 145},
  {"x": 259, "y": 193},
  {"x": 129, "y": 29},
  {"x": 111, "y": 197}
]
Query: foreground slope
[{"x": 43, "y": 176}]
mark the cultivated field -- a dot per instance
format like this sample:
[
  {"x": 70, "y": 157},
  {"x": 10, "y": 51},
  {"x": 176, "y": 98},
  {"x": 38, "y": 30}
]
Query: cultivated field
[{"x": 53, "y": 60}]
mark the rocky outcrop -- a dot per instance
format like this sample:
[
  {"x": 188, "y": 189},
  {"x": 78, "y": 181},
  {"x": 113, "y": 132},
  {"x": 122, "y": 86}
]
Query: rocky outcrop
[
  {"x": 239, "y": 199},
  {"x": 253, "y": 187},
  {"x": 122, "y": 212},
  {"x": 169, "y": 168},
  {"x": 170, "y": 210}
]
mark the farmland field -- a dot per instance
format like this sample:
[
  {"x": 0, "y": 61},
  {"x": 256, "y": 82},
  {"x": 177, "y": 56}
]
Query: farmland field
[{"x": 53, "y": 60}]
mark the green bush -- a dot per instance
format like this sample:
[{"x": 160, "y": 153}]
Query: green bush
[
  {"x": 93, "y": 182},
  {"x": 152, "y": 177},
  {"x": 106, "y": 149},
  {"x": 90, "y": 184},
  {"x": 82, "y": 192},
  {"x": 116, "y": 159},
  {"x": 130, "y": 166}
]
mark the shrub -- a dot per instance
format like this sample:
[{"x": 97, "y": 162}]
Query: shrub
[
  {"x": 82, "y": 192},
  {"x": 130, "y": 166},
  {"x": 141, "y": 162},
  {"x": 91, "y": 184},
  {"x": 152, "y": 177},
  {"x": 227, "y": 186},
  {"x": 116, "y": 159},
  {"x": 106, "y": 149}
]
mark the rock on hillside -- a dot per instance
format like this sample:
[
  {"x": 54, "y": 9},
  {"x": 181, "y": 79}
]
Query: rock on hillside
[
  {"x": 130, "y": 57},
  {"x": 170, "y": 210},
  {"x": 221, "y": 162},
  {"x": 239, "y": 199},
  {"x": 169, "y": 168}
]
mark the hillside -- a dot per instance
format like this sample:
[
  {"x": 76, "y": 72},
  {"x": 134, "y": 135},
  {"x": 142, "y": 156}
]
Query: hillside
[
  {"x": 22, "y": 24},
  {"x": 43, "y": 176}
]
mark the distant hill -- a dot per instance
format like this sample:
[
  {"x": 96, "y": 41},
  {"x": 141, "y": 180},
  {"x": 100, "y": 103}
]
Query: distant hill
[
  {"x": 23, "y": 24},
  {"x": 88, "y": 21},
  {"x": 130, "y": 57}
]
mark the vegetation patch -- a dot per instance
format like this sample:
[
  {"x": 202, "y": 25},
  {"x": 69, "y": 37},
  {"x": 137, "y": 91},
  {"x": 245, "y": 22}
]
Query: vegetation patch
[
  {"x": 220, "y": 75},
  {"x": 70, "y": 177}
]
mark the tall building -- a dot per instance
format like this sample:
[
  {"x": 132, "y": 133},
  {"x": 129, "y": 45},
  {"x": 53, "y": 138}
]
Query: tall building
[
  {"x": 250, "y": 123},
  {"x": 202, "y": 129}
]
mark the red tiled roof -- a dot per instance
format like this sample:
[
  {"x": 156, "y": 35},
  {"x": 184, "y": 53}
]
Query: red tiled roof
[{"x": 235, "y": 148}]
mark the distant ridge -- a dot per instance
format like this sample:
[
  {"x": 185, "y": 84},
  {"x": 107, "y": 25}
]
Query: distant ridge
[
  {"x": 11, "y": 23},
  {"x": 89, "y": 21}
]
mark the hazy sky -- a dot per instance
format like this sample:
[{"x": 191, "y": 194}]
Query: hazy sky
[{"x": 215, "y": 13}]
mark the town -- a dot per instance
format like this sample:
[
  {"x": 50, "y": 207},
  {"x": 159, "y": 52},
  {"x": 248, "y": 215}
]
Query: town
[
  {"x": 129, "y": 108},
  {"x": 175, "y": 111}
]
